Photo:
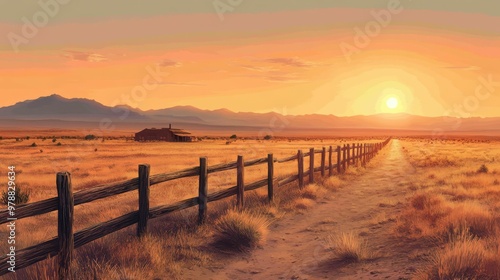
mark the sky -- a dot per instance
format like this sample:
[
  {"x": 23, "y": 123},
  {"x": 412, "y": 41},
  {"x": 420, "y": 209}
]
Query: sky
[{"x": 429, "y": 58}]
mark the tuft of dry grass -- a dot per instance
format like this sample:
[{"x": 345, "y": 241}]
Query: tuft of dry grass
[
  {"x": 312, "y": 191},
  {"x": 333, "y": 183},
  {"x": 477, "y": 220},
  {"x": 460, "y": 260},
  {"x": 483, "y": 169},
  {"x": 21, "y": 196},
  {"x": 464, "y": 257},
  {"x": 424, "y": 215},
  {"x": 426, "y": 201},
  {"x": 349, "y": 247},
  {"x": 303, "y": 203},
  {"x": 241, "y": 230}
]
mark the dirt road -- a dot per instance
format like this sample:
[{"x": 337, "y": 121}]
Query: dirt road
[{"x": 295, "y": 247}]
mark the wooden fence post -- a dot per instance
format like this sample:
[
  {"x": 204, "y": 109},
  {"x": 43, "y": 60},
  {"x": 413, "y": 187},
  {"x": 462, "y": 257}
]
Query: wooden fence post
[
  {"x": 311, "y": 166},
  {"x": 203, "y": 191},
  {"x": 65, "y": 217},
  {"x": 369, "y": 152},
  {"x": 323, "y": 158},
  {"x": 142, "y": 225},
  {"x": 364, "y": 154},
  {"x": 330, "y": 163},
  {"x": 300, "y": 162},
  {"x": 348, "y": 156},
  {"x": 339, "y": 159},
  {"x": 240, "y": 183},
  {"x": 361, "y": 154},
  {"x": 344, "y": 158},
  {"x": 356, "y": 158},
  {"x": 270, "y": 177},
  {"x": 353, "y": 154}
]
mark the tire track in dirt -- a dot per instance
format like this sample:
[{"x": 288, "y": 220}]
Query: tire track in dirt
[{"x": 295, "y": 247}]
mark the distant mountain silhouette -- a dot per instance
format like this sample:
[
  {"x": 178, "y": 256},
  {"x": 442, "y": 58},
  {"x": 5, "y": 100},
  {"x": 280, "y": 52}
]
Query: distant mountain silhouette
[
  {"x": 59, "y": 108},
  {"x": 58, "y": 112}
]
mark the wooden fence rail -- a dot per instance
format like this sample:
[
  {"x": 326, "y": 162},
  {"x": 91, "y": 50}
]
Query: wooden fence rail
[{"x": 66, "y": 241}]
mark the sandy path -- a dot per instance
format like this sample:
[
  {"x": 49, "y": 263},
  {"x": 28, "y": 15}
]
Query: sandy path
[{"x": 295, "y": 245}]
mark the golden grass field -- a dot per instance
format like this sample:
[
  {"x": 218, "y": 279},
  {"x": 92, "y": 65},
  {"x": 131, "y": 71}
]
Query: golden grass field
[
  {"x": 96, "y": 162},
  {"x": 452, "y": 204}
]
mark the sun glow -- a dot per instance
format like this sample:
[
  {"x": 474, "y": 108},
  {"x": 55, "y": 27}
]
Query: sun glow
[{"x": 392, "y": 103}]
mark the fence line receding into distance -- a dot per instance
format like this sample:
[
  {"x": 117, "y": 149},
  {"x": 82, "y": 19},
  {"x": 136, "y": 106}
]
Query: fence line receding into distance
[{"x": 64, "y": 244}]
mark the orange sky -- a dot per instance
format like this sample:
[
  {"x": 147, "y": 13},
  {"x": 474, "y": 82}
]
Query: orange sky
[{"x": 288, "y": 61}]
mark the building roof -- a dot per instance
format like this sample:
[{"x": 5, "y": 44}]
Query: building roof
[
  {"x": 175, "y": 131},
  {"x": 179, "y": 131}
]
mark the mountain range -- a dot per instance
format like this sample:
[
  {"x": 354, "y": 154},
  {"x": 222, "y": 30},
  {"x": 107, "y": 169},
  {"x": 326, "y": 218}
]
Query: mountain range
[{"x": 57, "y": 112}]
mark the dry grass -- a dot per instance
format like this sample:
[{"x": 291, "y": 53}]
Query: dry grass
[
  {"x": 333, "y": 183},
  {"x": 464, "y": 257},
  {"x": 349, "y": 247},
  {"x": 179, "y": 241},
  {"x": 303, "y": 203},
  {"x": 459, "y": 260},
  {"x": 241, "y": 230},
  {"x": 312, "y": 191},
  {"x": 423, "y": 217},
  {"x": 458, "y": 210},
  {"x": 477, "y": 220}
]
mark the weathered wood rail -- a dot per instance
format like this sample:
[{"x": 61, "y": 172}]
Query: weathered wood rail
[{"x": 64, "y": 244}]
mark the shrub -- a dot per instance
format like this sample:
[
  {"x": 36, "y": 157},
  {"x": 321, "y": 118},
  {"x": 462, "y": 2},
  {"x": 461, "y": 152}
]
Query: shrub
[
  {"x": 233, "y": 136},
  {"x": 483, "y": 169},
  {"x": 90, "y": 137},
  {"x": 475, "y": 219},
  {"x": 33, "y": 145},
  {"x": 496, "y": 182},
  {"x": 424, "y": 215},
  {"x": 268, "y": 137},
  {"x": 462, "y": 259},
  {"x": 241, "y": 230},
  {"x": 21, "y": 196},
  {"x": 348, "y": 247},
  {"x": 425, "y": 200},
  {"x": 54, "y": 140},
  {"x": 59, "y": 144}
]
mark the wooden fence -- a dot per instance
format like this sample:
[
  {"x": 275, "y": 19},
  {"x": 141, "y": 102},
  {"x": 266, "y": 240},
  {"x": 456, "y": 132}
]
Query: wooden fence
[{"x": 64, "y": 244}]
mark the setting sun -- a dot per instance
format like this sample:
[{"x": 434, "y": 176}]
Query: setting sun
[{"x": 392, "y": 103}]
